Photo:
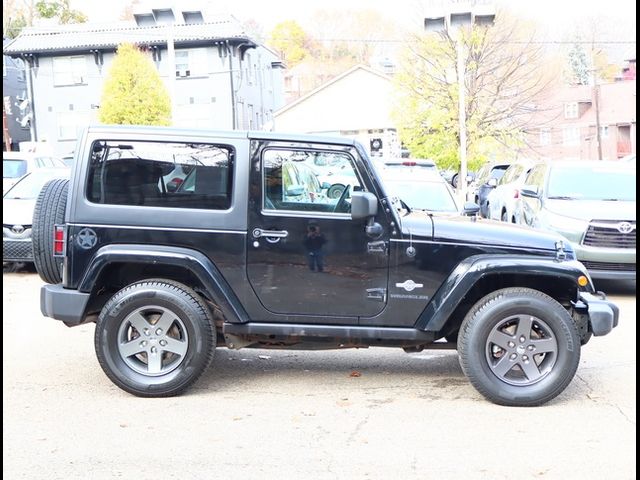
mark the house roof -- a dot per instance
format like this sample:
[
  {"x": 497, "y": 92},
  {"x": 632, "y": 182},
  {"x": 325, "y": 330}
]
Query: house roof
[
  {"x": 329, "y": 83},
  {"x": 85, "y": 36}
]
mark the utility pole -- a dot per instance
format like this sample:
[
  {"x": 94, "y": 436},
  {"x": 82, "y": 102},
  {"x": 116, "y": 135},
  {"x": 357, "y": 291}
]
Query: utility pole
[{"x": 596, "y": 94}]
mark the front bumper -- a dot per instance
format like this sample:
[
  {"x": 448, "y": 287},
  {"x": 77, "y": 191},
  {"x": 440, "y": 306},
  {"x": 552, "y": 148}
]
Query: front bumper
[
  {"x": 607, "y": 263},
  {"x": 63, "y": 304},
  {"x": 18, "y": 250},
  {"x": 602, "y": 314}
]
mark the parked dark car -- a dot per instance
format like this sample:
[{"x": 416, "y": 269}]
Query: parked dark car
[{"x": 485, "y": 182}]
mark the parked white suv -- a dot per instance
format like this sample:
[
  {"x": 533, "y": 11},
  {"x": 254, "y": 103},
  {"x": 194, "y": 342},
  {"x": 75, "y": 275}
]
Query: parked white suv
[{"x": 17, "y": 164}]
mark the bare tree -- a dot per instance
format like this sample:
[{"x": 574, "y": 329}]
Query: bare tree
[{"x": 506, "y": 75}]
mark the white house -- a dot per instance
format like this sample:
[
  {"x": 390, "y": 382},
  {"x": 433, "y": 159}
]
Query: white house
[{"x": 356, "y": 104}]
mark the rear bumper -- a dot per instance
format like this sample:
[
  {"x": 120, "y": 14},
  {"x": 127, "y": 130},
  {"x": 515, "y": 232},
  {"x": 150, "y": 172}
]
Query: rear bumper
[
  {"x": 602, "y": 314},
  {"x": 62, "y": 304}
]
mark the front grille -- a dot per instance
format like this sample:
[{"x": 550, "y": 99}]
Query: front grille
[
  {"x": 617, "y": 267},
  {"x": 605, "y": 233},
  {"x": 17, "y": 251}
]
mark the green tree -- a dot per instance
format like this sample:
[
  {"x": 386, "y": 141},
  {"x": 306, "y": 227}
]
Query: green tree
[
  {"x": 133, "y": 92},
  {"x": 578, "y": 65},
  {"x": 503, "y": 80},
  {"x": 291, "y": 41},
  {"x": 60, "y": 10}
]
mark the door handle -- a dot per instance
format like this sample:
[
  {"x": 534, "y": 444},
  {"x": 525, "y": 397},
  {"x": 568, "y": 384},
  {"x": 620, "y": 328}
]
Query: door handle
[{"x": 259, "y": 232}]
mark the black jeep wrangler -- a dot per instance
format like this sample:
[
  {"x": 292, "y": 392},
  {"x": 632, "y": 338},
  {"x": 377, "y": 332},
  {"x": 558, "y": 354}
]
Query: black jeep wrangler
[{"x": 176, "y": 242}]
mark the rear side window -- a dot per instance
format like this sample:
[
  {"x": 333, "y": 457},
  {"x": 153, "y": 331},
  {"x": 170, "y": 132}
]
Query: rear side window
[
  {"x": 159, "y": 174},
  {"x": 13, "y": 168}
]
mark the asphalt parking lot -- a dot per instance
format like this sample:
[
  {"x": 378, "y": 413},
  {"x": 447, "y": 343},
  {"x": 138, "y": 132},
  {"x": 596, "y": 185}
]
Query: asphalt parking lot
[{"x": 377, "y": 413}]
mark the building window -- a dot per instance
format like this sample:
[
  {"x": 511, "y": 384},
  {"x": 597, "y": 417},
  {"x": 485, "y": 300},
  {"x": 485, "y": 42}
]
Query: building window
[
  {"x": 69, "y": 71},
  {"x": 604, "y": 131},
  {"x": 191, "y": 62},
  {"x": 571, "y": 110},
  {"x": 545, "y": 136},
  {"x": 70, "y": 124},
  {"x": 571, "y": 136},
  {"x": 158, "y": 174}
]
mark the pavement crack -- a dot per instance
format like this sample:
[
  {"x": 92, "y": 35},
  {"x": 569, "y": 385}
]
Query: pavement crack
[
  {"x": 356, "y": 430},
  {"x": 613, "y": 405}
]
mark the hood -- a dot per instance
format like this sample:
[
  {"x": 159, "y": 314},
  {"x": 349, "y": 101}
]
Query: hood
[
  {"x": 7, "y": 183},
  {"x": 17, "y": 211},
  {"x": 480, "y": 232},
  {"x": 417, "y": 223},
  {"x": 592, "y": 209}
]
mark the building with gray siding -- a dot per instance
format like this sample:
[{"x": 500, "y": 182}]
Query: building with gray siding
[
  {"x": 16, "y": 105},
  {"x": 219, "y": 79}
]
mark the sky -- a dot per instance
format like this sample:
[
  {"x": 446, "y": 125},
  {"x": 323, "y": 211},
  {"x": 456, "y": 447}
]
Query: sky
[{"x": 557, "y": 19}]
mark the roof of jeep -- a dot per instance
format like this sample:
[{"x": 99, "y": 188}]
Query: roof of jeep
[{"x": 182, "y": 132}]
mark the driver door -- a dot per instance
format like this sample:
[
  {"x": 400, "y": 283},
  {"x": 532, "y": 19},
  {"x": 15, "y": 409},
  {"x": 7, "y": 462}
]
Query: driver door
[{"x": 305, "y": 255}]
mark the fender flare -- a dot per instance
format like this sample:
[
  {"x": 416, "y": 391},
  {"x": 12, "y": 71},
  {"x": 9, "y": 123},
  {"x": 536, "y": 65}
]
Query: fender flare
[
  {"x": 472, "y": 269},
  {"x": 192, "y": 260}
]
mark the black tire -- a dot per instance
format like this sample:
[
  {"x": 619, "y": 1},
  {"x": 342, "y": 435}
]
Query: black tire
[
  {"x": 536, "y": 367},
  {"x": 503, "y": 217},
  {"x": 189, "y": 329},
  {"x": 335, "y": 190},
  {"x": 49, "y": 211}
]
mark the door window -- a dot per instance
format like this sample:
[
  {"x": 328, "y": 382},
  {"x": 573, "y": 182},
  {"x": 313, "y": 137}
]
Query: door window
[{"x": 309, "y": 181}]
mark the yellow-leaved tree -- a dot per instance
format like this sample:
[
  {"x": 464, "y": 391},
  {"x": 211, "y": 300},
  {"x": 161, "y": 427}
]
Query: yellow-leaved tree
[{"x": 133, "y": 93}]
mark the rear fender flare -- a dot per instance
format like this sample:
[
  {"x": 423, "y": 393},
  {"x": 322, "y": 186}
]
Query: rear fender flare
[{"x": 195, "y": 262}]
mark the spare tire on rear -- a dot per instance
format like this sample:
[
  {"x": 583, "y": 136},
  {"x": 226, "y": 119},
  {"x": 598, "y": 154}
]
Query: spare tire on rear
[{"x": 49, "y": 211}]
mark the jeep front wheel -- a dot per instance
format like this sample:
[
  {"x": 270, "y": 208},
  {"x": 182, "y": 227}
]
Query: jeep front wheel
[
  {"x": 154, "y": 338},
  {"x": 519, "y": 347}
]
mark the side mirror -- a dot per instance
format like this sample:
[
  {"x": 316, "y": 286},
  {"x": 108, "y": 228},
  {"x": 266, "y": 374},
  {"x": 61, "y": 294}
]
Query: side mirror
[
  {"x": 492, "y": 182},
  {"x": 470, "y": 209},
  {"x": 363, "y": 205},
  {"x": 530, "y": 191}
]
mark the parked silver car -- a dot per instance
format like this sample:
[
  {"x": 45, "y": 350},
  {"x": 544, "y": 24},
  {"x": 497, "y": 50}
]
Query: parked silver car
[
  {"x": 593, "y": 204},
  {"x": 504, "y": 200}
]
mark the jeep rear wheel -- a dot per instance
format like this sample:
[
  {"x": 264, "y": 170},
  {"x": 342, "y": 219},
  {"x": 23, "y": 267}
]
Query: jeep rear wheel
[
  {"x": 519, "y": 347},
  {"x": 49, "y": 211},
  {"x": 154, "y": 338}
]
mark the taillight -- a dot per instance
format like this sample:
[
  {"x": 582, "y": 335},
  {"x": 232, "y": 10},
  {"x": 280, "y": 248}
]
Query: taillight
[
  {"x": 409, "y": 164},
  {"x": 59, "y": 237},
  {"x": 516, "y": 193}
]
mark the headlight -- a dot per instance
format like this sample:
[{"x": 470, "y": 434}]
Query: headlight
[{"x": 571, "y": 228}]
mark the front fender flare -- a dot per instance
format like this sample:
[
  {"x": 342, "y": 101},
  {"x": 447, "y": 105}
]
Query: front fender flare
[
  {"x": 197, "y": 263},
  {"x": 472, "y": 269}
]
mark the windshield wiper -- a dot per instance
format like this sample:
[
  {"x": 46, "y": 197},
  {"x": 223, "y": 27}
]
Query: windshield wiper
[
  {"x": 561, "y": 197},
  {"x": 611, "y": 200}
]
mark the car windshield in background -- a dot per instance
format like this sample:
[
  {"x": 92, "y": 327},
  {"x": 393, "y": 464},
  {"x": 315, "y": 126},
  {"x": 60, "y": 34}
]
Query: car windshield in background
[
  {"x": 432, "y": 196},
  {"x": 592, "y": 183},
  {"x": 13, "y": 168},
  {"x": 28, "y": 187}
]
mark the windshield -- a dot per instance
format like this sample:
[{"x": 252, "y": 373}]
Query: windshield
[
  {"x": 592, "y": 183},
  {"x": 28, "y": 187},
  {"x": 433, "y": 196},
  {"x": 13, "y": 168}
]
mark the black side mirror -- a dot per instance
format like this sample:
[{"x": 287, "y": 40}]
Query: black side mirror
[
  {"x": 530, "y": 191},
  {"x": 470, "y": 209}
]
